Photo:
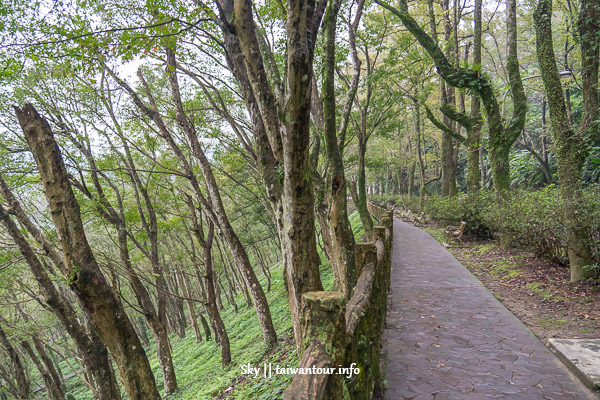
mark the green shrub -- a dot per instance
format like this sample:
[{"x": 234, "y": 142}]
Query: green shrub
[
  {"x": 471, "y": 209},
  {"x": 588, "y": 219},
  {"x": 533, "y": 220}
]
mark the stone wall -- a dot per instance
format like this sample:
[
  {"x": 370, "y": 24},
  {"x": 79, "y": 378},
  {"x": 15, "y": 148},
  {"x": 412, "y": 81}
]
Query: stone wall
[{"x": 341, "y": 335}]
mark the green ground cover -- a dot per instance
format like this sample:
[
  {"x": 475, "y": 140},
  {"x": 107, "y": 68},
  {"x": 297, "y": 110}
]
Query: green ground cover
[{"x": 198, "y": 365}]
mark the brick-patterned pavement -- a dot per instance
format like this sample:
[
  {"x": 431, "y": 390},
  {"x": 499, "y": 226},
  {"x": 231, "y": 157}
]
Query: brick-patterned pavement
[{"x": 447, "y": 337}]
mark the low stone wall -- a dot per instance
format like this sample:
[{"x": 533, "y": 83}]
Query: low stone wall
[
  {"x": 378, "y": 211},
  {"x": 342, "y": 335}
]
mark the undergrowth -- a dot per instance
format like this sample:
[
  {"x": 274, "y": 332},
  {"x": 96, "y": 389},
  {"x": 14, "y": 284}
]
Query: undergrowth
[{"x": 198, "y": 365}]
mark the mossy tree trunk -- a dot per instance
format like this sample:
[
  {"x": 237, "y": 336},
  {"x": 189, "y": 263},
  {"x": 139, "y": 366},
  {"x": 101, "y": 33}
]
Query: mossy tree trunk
[
  {"x": 572, "y": 147},
  {"x": 93, "y": 351},
  {"x": 22, "y": 387},
  {"x": 361, "y": 183},
  {"x": 502, "y": 135},
  {"x": 418, "y": 134},
  {"x": 411, "y": 176},
  {"x": 287, "y": 128},
  {"x": 53, "y": 389},
  {"x": 341, "y": 231},
  {"x": 83, "y": 272},
  {"x": 206, "y": 242},
  {"x": 473, "y": 142},
  {"x": 448, "y": 98}
]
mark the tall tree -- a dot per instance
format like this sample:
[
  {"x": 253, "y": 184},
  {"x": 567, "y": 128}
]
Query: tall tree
[
  {"x": 341, "y": 232},
  {"x": 572, "y": 146},
  {"x": 93, "y": 351},
  {"x": 502, "y": 134},
  {"x": 22, "y": 388},
  {"x": 286, "y": 130},
  {"x": 206, "y": 242},
  {"x": 83, "y": 272}
]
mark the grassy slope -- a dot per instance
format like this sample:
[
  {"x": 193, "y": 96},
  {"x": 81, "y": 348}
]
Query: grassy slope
[{"x": 198, "y": 365}]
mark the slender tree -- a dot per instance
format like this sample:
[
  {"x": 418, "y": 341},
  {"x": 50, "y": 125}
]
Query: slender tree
[{"x": 83, "y": 272}]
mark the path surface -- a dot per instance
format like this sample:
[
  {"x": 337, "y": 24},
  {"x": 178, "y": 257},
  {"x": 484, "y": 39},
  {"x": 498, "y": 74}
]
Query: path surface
[{"x": 447, "y": 337}]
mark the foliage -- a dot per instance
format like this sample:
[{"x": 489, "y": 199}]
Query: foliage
[
  {"x": 471, "y": 209},
  {"x": 531, "y": 219},
  {"x": 535, "y": 220},
  {"x": 391, "y": 200},
  {"x": 527, "y": 172}
]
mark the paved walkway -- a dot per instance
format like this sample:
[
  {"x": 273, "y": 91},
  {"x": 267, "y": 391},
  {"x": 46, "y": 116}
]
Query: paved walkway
[{"x": 447, "y": 337}]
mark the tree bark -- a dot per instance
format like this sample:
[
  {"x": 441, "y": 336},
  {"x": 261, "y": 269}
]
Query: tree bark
[
  {"x": 84, "y": 275},
  {"x": 341, "y": 231},
  {"x": 94, "y": 354},
  {"x": 448, "y": 98},
  {"x": 289, "y": 137},
  {"x": 572, "y": 147},
  {"x": 22, "y": 389},
  {"x": 474, "y": 135},
  {"x": 361, "y": 203},
  {"x": 411, "y": 177},
  {"x": 53, "y": 389},
  {"x": 206, "y": 243},
  {"x": 418, "y": 133},
  {"x": 48, "y": 363}
]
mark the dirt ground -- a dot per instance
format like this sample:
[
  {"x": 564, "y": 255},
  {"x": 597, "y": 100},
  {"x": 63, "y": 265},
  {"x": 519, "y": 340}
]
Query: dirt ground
[{"x": 536, "y": 291}]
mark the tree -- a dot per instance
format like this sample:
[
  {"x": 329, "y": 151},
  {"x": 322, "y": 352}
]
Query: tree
[
  {"x": 341, "y": 232},
  {"x": 286, "y": 132},
  {"x": 21, "y": 387},
  {"x": 501, "y": 135},
  {"x": 93, "y": 351},
  {"x": 572, "y": 146},
  {"x": 83, "y": 273}
]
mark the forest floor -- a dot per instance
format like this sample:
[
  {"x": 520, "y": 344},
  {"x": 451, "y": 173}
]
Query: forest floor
[
  {"x": 536, "y": 291},
  {"x": 198, "y": 365}
]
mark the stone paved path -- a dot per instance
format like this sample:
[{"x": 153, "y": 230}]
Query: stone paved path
[{"x": 447, "y": 337}]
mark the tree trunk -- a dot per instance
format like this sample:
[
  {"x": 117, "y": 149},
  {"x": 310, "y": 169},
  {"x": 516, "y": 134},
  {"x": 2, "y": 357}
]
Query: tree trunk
[
  {"x": 159, "y": 330},
  {"x": 230, "y": 286},
  {"x": 473, "y": 142},
  {"x": 572, "y": 146},
  {"x": 141, "y": 329},
  {"x": 53, "y": 388},
  {"x": 23, "y": 388},
  {"x": 411, "y": 177},
  {"x": 341, "y": 231},
  {"x": 84, "y": 275},
  {"x": 94, "y": 354},
  {"x": 418, "y": 133},
  {"x": 187, "y": 292},
  {"x": 48, "y": 363},
  {"x": 325, "y": 230},
  {"x": 361, "y": 204},
  {"x": 213, "y": 311},
  {"x": 287, "y": 131}
]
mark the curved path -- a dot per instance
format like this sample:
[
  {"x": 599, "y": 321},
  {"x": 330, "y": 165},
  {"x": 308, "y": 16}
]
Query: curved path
[{"x": 447, "y": 337}]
